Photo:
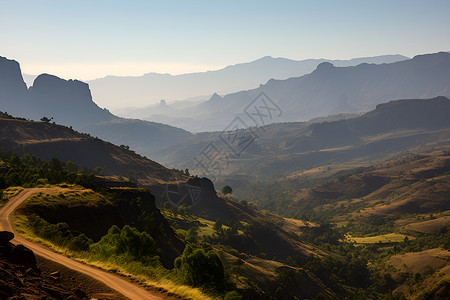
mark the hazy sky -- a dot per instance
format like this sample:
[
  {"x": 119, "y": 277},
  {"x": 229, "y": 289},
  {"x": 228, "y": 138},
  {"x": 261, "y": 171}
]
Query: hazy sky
[{"x": 89, "y": 39}]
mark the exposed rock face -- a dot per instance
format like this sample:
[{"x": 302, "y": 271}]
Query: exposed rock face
[
  {"x": 6, "y": 236},
  {"x": 208, "y": 192},
  {"x": 68, "y": 101},
  {"x": 51, "y": 89},
  {"x": 23, "y": 256},
  {"x": 13, "y": 89},
  {"x": 11, "y": 81}
]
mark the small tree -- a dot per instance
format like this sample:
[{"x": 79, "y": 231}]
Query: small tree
[
  {"x": 46, "y": 120},
  {"x": 201, "y": 268},
  {"x": 187, "y": 172},
  {"x": 227, "y": 190},
  {"x": 218, "y": 225},
  {"x": 99, "y": 171}
]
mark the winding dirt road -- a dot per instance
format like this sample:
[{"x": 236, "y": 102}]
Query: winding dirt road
[{"x": 115, "y": 282}]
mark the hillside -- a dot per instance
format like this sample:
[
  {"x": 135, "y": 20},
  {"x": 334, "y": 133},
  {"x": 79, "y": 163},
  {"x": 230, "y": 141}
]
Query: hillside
[
  {"x": 293, "y": 148},
  {"x": 94, "y": 214},
  {"x": 328, "y": 90},
  {"x": 397, "y": 213},
  {"x": 121, "y": 229},
  {"x": 402, "y": 187},
  {"x": 49, "y": 140}
]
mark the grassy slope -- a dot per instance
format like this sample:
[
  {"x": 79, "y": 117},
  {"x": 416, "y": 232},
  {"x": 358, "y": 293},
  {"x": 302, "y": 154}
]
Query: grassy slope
[{"x": 49, "y": 140}]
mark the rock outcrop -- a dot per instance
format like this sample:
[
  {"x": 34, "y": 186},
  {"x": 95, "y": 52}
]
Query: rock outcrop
[
  {"x": 13, "y": 90},
  {"x": 21, "y": 279},
  {"x": 68, "y": 101}
]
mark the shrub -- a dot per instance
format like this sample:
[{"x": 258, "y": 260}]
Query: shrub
[
  {"x": 232, "y": 296},
  {"x": 227, "y": 190},
  {"x": 127, "y": 242},
  {"x": 201, "y": 268},
  {"x": 59, "y": 234}
]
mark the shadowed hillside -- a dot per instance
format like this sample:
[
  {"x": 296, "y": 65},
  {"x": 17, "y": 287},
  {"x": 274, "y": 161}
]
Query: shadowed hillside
[{"x": 48, "y": 140}]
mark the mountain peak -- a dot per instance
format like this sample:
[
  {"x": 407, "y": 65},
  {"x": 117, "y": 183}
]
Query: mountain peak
[
  {"x": 325, "y": 66},
  {"x": 215, "y": 97},
  {"x": 11, "y": 79}
]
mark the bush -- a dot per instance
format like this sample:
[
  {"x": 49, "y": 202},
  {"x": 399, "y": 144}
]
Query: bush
[
  {"x": 201, "y": 268},
  {"x": 127, "y": 242},
  {"x": 59, "y": 234},
  {"x": 227, "y": 190},
  {"x": 232, "y": 296}
]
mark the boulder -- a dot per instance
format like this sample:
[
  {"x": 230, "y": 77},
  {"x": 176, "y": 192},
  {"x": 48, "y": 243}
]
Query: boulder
[
  {"x": 23, "y": 256},
  {"x": 6, "y": 236},
  {"x": 80, "y": 294}
]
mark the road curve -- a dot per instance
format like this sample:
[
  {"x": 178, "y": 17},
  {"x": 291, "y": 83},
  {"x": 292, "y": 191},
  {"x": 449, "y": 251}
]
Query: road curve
[{"x": 115, "y": 282}]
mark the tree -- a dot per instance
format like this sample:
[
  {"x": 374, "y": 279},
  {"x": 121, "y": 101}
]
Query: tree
[
  {"x": 187, "y": 172},
  {"x": 192, "y": 234},
  {"x": 227, "y": 190},
  {"x": 71, "y": 166},
  {"x": 217, "y": 225},
  {"x": 99, "y": 171},
  {"x": 46, "y": 120},
  {"x": 201, "y": 268},
  {"x": 128, "y": 242}
]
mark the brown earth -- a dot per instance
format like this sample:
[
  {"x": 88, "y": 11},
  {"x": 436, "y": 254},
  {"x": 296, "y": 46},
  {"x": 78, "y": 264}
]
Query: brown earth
[
  {"x": 49, "y": 140},
  {"x": 411, "y": 184}
]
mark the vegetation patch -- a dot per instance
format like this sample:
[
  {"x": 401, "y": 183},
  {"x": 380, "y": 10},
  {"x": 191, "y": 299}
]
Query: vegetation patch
[
  {"x": 380, "y": 239},
  {"x": 8, "y": 193}
]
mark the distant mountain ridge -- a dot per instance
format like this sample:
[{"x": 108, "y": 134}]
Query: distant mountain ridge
[
  {"x": 111, "y": 91},
  {"x": 282, "y": 148},
  {"x": 328, "y": 90}
]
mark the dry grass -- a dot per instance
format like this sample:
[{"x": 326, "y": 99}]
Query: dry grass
[
  {"x": 417, "y": 262},
  {"x": 379, "y": 239},
  {"x": 9, "y": 193},
  {"x": 430, "y": 226},
  {"x": 328, "y": 170},
  {"x": 66, "y": 196}
]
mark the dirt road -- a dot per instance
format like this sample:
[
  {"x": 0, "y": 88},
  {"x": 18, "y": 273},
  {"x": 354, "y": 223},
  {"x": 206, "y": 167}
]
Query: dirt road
[{"x": 115, "y": 282}]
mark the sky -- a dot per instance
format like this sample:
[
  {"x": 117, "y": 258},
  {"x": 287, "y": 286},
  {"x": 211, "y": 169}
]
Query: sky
[{"x": 91, "y": 39}]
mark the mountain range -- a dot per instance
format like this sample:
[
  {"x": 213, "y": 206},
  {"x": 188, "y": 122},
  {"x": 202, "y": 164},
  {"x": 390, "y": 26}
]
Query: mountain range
[
  {"x": 328, "y": 90},
  {"x": 114, "y": 91},
  {"x": 69, "y": 102}
]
